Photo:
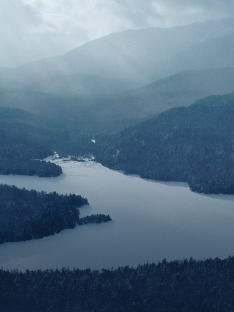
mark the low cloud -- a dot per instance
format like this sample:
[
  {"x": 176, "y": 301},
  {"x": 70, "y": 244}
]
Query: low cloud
[{"x": 33, "y": 29}]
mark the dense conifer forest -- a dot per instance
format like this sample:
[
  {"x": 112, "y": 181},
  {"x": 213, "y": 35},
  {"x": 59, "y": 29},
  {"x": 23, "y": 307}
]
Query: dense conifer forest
[
  {"x": 97, "y": 218},
  {"x": 29, "y": 167},
  {"x": 186, "y": 286},
  {"x": 26, "y": 215},
  {"x": 193, "y": 145},
  {"x": 22, "y": 143}
]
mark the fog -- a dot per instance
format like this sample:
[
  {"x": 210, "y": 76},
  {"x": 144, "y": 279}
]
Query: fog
[{"x": 35, "y": 29}]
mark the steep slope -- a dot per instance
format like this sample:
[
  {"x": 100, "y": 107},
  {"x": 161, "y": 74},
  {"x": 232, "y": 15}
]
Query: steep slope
[{"x": 194, "y": 144}]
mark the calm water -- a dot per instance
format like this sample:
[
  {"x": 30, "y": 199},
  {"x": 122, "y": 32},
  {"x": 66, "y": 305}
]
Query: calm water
[{"x": 151, "y": 221}]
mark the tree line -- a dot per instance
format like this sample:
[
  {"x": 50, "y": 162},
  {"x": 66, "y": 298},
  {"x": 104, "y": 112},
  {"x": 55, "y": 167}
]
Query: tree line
[{"x": 178, "y": 286}]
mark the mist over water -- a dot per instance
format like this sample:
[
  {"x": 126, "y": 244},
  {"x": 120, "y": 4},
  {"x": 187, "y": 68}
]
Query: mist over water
[{"x": 151, "y": 221}]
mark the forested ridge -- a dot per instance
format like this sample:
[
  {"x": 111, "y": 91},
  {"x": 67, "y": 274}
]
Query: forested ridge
[
  {"x": 22, "y": 143},
  {"x": 27, "y": 138},
  {"x": 178, "y": 286},
  {"x": 26, "y": 215},
  {"x": 194, "y": 145}
]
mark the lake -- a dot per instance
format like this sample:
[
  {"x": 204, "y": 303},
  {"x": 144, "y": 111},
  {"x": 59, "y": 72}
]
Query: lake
[{"x": 151, "y": 221}]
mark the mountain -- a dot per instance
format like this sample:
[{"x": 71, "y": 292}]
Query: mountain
[
  {"x": 83, "y": 114},
  {"x": 101, "y": 113},
  {"x": 194, "y": 145},
  {"x": 80, "y": 85},
  {"x": 181, "y": 89},
  {"x": 31, "y": 101},
  {"x": 211, "y": 53},
  {"x": 134, "y": 56},
  {"x": 65, "y": 85}
]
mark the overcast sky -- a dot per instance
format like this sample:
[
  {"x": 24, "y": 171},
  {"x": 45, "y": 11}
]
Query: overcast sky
[{"x": 34, "y": 29}]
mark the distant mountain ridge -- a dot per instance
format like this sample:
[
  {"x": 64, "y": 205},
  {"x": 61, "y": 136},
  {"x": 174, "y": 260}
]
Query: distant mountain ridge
[
  {"x": 181, "y": 89},
  {"x": 114, "y": 111},
  {"x": 215, "y": 52},
  {"x": 142, "y": 55}
]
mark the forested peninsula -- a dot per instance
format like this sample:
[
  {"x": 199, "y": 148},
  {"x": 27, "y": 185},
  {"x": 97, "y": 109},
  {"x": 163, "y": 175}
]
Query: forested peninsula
[{"x": 26, "y": 215}]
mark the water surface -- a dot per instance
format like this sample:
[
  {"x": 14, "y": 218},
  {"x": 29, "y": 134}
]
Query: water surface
[{"x": 151, "y": 221}]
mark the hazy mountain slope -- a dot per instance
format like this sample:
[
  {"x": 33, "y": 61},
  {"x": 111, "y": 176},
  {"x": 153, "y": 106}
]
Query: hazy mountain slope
[
  {"x": 50, "y": 109},
  {"x": 181, "y": 89},
  {"x": 211, "y": 53},
  {"x": 70, "y": 85},
  {"x": 203, "y": 81},
  {"x": 34, "y": 102},
  {"x": 104, "y": 113},
  {"x": 139, "y": 55},
  {"x": 88, "y": 115},
  {"x": 80, "y": 85},
  {"x": 194, "y": 144}
]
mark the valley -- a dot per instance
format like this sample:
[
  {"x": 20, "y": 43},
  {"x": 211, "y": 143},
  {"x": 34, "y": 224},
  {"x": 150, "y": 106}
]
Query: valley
[{"x": 116, "y": 167}]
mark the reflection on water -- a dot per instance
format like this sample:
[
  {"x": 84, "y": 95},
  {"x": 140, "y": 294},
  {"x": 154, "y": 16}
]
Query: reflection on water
[{"x": 151, "y": 221}]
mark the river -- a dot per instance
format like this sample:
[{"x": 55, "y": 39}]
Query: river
[{"x": 151, "y": 221}]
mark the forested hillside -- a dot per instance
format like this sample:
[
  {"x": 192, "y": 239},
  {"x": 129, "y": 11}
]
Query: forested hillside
[
  {"x": 23, "y": 143},
  {"x": 189, "y": 285},
  {"x": 194, "y": 144}
]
